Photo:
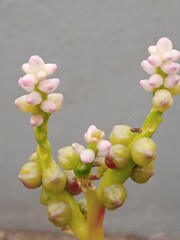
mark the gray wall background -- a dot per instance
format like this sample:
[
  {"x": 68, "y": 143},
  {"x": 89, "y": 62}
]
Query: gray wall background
[{"x": 98, "y": 46}]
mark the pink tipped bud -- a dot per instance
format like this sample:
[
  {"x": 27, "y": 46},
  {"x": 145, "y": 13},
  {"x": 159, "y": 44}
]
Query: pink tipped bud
[
  {"x": 27, "y": 82},
  {"x": 93, "y": 134},
  {"x": 48, "y": 86},
  {"x": 36, "y": 120},
  {"x": 167, "y": 56},
  {"x": 78, "y": 148},
  {"x": 48, "y": 106},
  {"x": 146, "y": 86},
  {"x": 57, "y": 99},
  {"x": 152, "y": 50},
  {"x": 155, "y": 60},
  {"x": 155, "y": 81},
  {"x": 163, "y": 45},
  {"x": 34, "y": 98},
  {"x": 170, "y": 68},
  {"x": 147, "y": 67},
  {"x": 87, "y": 156},
  {"x": 23, "y": 105},
  {"x": 175, "y": 55},
  {"x": 171, "y": 81},
  {"x": 50, "y": 68},
  {"x": 36, "y": 64},
  {"x": 162, "y": 100},
  {"x": 104, "y": 148}
]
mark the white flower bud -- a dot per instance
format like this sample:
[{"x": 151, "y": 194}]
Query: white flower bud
[{"x": 162, "y": 100}]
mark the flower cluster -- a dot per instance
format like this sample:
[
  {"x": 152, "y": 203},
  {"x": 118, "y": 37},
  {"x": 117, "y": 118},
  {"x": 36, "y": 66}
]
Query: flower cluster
[
  {"x": 164, "y": 81},
  {"x": 40, "y": 100}
]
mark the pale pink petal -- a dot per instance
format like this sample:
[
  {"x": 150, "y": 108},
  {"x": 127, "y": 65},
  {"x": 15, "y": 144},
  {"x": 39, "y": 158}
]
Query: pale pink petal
[
  {"x": 36, "y": 64},
  {"x": 87, "y": 156},
  {"x": 78, "y": 148},
  {"x": 155, "y": 81},
  {"x": 167, "y": 56},
  {"x": 175, "y": 55},
  {"x": 163, "y": 45},
  {"x": 57, "y": 99},
  {"x": 155, "y": 60},
  {"x": 23, "y": 105},
  {"x": 49, "y": 85},
  {"x": 27, "y": 82},
  {"x": 36, "y": 120},
  {"x": 34, "y": 98},
  {"x": 88, "y": 134},
  {"x": 146, "y": 86},
  {"x": 48, "y": 106},
  {"x": 171, "y": 81},
  {"x": 170, "y": 68},
  {"x": 104, "y": 148},
  {"x": 147, "y": 67},
  {"x": 152, "y": 50},
  {"x": 25, "y": 67},
  {"x": 41, "y": 75},
  {"x": 50, "y": 68}
]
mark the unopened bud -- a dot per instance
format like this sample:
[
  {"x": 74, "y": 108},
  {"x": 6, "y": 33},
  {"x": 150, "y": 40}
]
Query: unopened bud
[
  {"x": 113, "y": 196},
  {"x": 83, "y": 170},
  {"x": 59, "y": 213},
  {"x": 120, "y": 155},
  {"x": 72, "y": 185},
  {"x": 68, "y": 159},
  {"x": 23, "y": 105},
  {"x": 44, "y": 199},
  {"x": 53, "y": 178},
  {"x": 30, "y": 175},
  {"x": 143, "y": 151},
  {"x": 142, "y": 174},
  {"x": 162, "y": 100},
  {"x": 121, "y": 134}
]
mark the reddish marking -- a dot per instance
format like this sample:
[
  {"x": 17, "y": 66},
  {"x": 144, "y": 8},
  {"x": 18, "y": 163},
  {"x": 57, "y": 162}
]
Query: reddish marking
[{"x": 100, "y": 215}]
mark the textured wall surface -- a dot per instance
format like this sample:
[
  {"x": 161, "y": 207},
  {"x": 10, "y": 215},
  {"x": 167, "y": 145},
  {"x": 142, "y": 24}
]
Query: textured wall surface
[{"x": 98, "y": 46}]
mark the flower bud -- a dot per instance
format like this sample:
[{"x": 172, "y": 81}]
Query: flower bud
[
  {"x": 33, "y": 157},
  {"x": 82, "y": 204},
  {"x": 82, "y": 170},
  {"x": 59, "y": 213},
  {"x": 53, "y": 178},
  {"x": 23, "y": 105},
  {"x": 30, "y": 175},
  {"x": 143, "y": 151},
  {"x": 72, "y": 185},
  {"x": 104, "y": 148},
  {"x": 68, "y": 159},
  {"x": 142, "y": 174},
  {"x": 113, "y": 196},
  {"x": 44, "y": 199},
  {"x": 110, "y": 163},
  {"x": 176, "y": 89},
  {"x": 93, "y": 134},
  {"x": 162, "y": 100},
  {"x": 120, "y": 155},
  {"x": 87, "y": 156},
  {"x": 121, "y": 134},
  {"x": 34, "y": 98}
]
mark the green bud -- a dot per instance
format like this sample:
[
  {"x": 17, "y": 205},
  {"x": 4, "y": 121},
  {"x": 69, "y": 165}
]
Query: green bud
[
  {"x": 142, "y": 174},
  {"x": 120, "y": 155},
  {"x": 143, "y": 151},
  {"x": 114, "y": 196},
  {"x": 30, "y": 175},
  {"x": 53, "y": 178},
  {"x": 82, "y": 204},
  {"x": 44, "y": 199},
  {"x": 59, "y": 213},
  {"x": 68, "y": 159},
  {"x": 162, "y": 100},
  {"x": 83, "y": 170},
  {"x": 121, "y": 134},
  {"x": 33, "y": 157}
]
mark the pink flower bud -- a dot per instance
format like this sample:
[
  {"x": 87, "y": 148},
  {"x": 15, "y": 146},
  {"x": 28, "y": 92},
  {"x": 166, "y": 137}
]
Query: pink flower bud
[
  {"x": 152, "y": 50},
  {"x": 175, "y": 55},
  {"x": 23, "y": 105},
  {"x": 146, "y": 86},
  {"x": 163, "y": 45},
  {"x": 50, "y": 68},
  {"x": 50, "y": 85},
  {"x": 170, "y": 68},
  {"x": 57, "y": 99},
  {"x": 36, "y": 64},
  {"x": 171, "y": 81},
  {"x": 147, "y": 67},
  {"x": 155, "y": 81},
  {"x": 155, "y": 60},
  {"x": 27, "y": 82},
  {"x": 34, "y": 98},
  {"x": 93, "y": 134},
  {"x": 104, "y": 148},
  {"x": 36, "y": 120},
  {"x": 162, "y": 100},
  {"x": 78, "y": 148},
  {"x": 87, "y": 156},
  {"x": 48, "y": 106},
  {"x": 167, "y": 56}
]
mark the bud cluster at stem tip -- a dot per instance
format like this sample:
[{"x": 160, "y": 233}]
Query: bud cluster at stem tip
[
  {"x": 40, "y": 100},
  {"x": 164, "y": 81}
]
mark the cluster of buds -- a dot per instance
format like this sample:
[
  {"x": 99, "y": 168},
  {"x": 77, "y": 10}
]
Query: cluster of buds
[
  {"x": 40, "y": 101},
  {"x": 164, "y": 81}
]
